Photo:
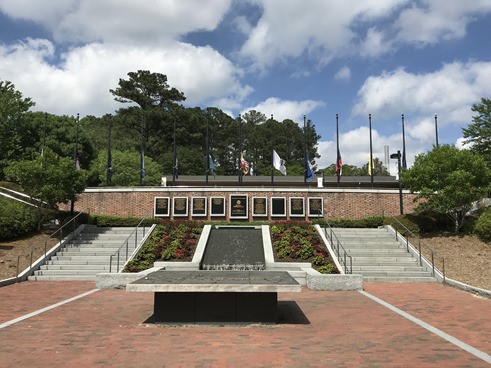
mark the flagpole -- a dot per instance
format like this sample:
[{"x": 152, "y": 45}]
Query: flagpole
[
  {"x": 272, "y": 157},
  {"x": 109, "y": 156},
  {"x": 436, "y": 130},
  {"x": 75, "y": 152},
  {"x": 337, "y": 149},
  {"x": 240, "y": 149},
  {"x": 44, "y": 133},
  {"x": 404, "y": 165},
  {"x": 370, "y": 164},
  {"x": 305, "y": 149},
  {"x": 207, "y": 152},
  {"x": 174, "y": 153}
]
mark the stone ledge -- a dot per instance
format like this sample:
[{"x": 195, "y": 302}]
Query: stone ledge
[{"x": 334, "y": 282}]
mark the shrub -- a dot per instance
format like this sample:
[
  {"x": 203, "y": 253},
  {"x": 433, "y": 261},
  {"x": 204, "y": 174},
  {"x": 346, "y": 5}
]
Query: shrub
[
  {"x": 116, "y": 221},
  {"x": 16, "y": 219},
  {"x": 482, "y": 228}
]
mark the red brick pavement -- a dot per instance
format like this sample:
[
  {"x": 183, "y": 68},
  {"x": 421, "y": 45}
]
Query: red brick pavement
[{"x": 320, "y": 329}]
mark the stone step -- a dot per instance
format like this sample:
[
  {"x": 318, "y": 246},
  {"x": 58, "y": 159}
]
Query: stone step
[
  {"x": 62, "y": 278},
  {"x": 86, "y": 258},
  {"x": 399, "y": 279},
  {"x": 375, "y": 251},
  {"x": 65, "y": 272},
  {"x": 395, "y": 274},
  {"x": 387, "y": 268},
  {"x": 99, "y": 245},
  {"x": 70, "y": 266},
  {"x": 77, "y": 262}
]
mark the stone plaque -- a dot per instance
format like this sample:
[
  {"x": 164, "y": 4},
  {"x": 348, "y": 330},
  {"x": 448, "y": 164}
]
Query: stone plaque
[
  {"x": 297, "y": 208},
  {"x": 316, "y": 207},
  {"x": 239, "y": 206},
  {"x": 199, "y": 206},
  {"x": 259, "y": 206},
  {"x": 278, "y": 206},
  {"x": 161, "y": 207},
  {"x": 180, "y": 206},
  {"x": 217, "y": 206}
]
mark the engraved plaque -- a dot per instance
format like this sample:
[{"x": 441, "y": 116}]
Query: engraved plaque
[
  {"x": 316, "y": 207},
  {"x": 239, "y": 206},
  {"x": 278, "y": 206},
  {"x": 217, "y": 206},
  {"x": 297, "y": 207},
  {"x": 180, "y": 207},
  {"x": 161, "y": 207},
  {"x": 259, "y": 206},
  {"x": 199, "y": 206}
]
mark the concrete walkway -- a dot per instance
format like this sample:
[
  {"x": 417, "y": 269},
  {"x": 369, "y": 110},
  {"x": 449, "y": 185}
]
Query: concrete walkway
[{"x": 107, "y": 328}]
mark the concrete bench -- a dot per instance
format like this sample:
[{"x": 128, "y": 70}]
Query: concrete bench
[{"x": 215, "y": 296}]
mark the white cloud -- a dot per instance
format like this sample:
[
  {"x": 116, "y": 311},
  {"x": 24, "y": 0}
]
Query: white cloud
[
  {"x": 284, "y": 109},
  {"x": 82, "y": 81},
  {"x": 343, "y": 74},
  {"x": 128, "y": 21},
  {"x": 428, "y": 22},
  {"x": 449, "y": 92}
]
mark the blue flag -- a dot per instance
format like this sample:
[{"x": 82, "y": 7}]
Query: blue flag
[
  {"x": 309, "y": 175},
  {"x": 142, "y": 163},
  {"x": 212, "y": 165}
]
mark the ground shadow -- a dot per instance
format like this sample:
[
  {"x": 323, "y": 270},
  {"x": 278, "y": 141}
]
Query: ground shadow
[{"x": 289, "y": 313}]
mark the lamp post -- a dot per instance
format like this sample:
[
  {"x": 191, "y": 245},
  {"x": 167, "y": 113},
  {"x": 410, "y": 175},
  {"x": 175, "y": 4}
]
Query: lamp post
[{"x": 398, "y": 157}]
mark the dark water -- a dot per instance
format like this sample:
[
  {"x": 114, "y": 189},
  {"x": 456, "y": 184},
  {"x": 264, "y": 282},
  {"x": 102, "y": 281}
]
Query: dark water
[{"x": 234, "y": 248}]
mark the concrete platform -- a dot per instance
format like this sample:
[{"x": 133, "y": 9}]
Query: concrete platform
[{"x": 215, "y": 296}]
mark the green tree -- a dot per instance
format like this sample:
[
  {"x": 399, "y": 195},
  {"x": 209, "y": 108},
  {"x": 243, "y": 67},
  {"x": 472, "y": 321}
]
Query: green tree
[
  {"x": 126, "y": 169},
  {"x": 348, "y": 170},
  {"x": 379, "y": 168},
  {"x": 13, "y": 109},
  {"x": 478, "y": 134},
  {"x": 448, "y": 180},
  {"x": 48, "y": 180}
]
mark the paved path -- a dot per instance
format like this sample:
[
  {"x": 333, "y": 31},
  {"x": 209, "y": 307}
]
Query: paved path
[{"x": 107, "y": 328}]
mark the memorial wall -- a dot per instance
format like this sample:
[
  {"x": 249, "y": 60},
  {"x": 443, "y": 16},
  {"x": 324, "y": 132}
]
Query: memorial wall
[{"x": 248, "y": 204}]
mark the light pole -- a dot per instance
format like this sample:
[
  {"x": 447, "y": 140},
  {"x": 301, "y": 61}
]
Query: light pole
[{"x": 398, "y": 157}]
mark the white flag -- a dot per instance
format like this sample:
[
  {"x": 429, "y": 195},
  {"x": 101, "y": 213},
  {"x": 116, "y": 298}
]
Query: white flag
[{"x": 278, "y": 163}]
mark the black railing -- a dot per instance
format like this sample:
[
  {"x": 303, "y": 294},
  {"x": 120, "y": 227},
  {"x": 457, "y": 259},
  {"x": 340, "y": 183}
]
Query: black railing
[
  {"x": 336, "y": 245},
  {"x": 431, "y": 255},
  {"x": 59, "y": 234},
  {"x": 125, "y": 245}
]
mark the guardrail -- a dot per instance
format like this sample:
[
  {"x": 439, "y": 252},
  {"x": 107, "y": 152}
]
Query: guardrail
[
  {"x": 430, "y": 252},
  {"x": 336, "y": 245},
  {"x": 126, "y": 246},
  {"x": 60, "y": 233}
]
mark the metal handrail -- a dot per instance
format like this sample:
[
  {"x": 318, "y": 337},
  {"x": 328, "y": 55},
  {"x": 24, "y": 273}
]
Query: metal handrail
[
  {"x": 420, "y": 243},
  {"x": 59, "y": 230},
  {"x": 337, "y": 247},
  {"x": 126, "y": 245}
]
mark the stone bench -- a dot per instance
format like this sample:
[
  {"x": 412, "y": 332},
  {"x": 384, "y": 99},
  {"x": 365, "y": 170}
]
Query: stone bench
[{"x": 215, "y": 296}]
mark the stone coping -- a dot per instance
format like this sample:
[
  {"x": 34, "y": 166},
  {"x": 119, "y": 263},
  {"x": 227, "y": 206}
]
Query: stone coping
[{"x": 216, "y": 281}]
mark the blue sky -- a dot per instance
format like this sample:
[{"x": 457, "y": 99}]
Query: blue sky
[{"x": 282, "y": 57}]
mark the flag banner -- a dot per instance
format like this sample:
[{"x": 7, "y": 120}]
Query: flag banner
[
  {"x": 339, "y": 165},
  {"x": 244, "y": 165},
  {"x": 212, "y": 165},
  {"x": 176, "y": 168},
  {"x": 109, "y": 165},
  {"x": 278, "y": 163},
  {"x": 404, "y": 163},
  {"x": 251, "y": 169},
  {"x": 77, "y": 162},
  {"x": 309, "y": 175},
  {"x": 142, "y": 163},
  {"x": 371, "y": 167}
]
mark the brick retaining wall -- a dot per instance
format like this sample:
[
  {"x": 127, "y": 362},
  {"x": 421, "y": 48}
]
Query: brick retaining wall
[{"x": 337, "y": 204}]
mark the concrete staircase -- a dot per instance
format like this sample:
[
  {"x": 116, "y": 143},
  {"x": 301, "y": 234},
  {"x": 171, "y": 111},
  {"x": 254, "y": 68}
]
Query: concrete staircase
[
  {"x": 89, "y": 254},
  {"x": 377, "y": 256}
]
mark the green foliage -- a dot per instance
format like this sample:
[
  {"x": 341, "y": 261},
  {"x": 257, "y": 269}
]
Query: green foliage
[
  {"x": 14, "y": 127},
  {"x": 448, "y": 180},
  {"x": 293, "y": 241},
  {"x": 367, "y": 222},
  {"x": 16, "y": 219},
  {"x": 50, "y": 179},
  {"x": 126, "y": 169},
  {"x": 117, "y": 221},
  {"x": 482, "y": 227},
  {"x": 478, "y": 134},
  {"x": 170, "y": 241}
]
